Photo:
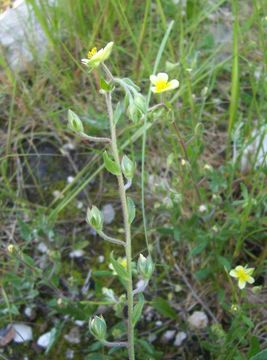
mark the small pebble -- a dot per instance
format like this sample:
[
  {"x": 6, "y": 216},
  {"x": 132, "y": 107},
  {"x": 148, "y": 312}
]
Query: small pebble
[
  {"x": 152, "y": 338},
  {"x": 70, "y": 179},
  {"x": 79, "y": 323},
  {"x": 202, "y": 208},
  {"x": 45, "y": 339},
  {"x": 42, "y": 248},
  {"x": 70, "y": 354},
  {"x": 158, "y": 323},
  {"x": 180, "y": 337},
  {"x": 108, "y": 213},
  {"x": 73, "y": 337},
  {"x": 79, "y": 205},
  {"x": 101, "y": 259},
  {"x": 23, "y": 333},
  {"x": 198, "y": 320},
  {"x": 76, "y": 254},
  {"x": 167, "y": 336}
]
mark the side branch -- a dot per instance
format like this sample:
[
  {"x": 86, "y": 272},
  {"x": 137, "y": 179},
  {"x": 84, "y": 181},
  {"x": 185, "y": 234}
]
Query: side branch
[{"x": 110, "y": 239}]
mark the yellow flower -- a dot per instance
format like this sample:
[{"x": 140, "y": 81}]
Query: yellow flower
[
  {"x": 243, "y": 274},
  {"x": 95, "y": 58},
  {"x": 11, "y": 248},
  {"x": 91, "y": 53},
  {"x": 161, "y": 84}
]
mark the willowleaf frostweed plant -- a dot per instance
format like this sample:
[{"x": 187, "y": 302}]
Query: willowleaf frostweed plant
[{"x": 121, "y": 166}]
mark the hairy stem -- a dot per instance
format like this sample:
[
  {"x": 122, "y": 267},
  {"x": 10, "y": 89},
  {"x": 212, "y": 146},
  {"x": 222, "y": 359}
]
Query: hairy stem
[
  {"x": 111, "y": 239},
  {"x": 127, "y": 228}
]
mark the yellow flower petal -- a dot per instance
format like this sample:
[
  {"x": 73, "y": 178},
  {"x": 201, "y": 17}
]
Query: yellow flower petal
[
  {"x": 161, "y": 83},
  {"x": 241, "y": 284},
  {"x": 233, "y": 273},
  {"x": 162, "y": 76}
]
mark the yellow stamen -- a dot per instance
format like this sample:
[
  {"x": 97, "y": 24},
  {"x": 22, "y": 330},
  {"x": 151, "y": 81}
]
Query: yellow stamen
[
  {"x": 161, "y": 85},
  {"x": 92, "y": 52},
  {"x": 242, "y": 275}
]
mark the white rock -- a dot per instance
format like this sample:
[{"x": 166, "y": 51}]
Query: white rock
[
  {"x": 167, "y": 336},
  {"x": 79, "y": 323},
  {"x": 42, "y": 248},
  {"x": 28, "y": 312},
  {"x": 152, "y": 337},
  {"x": 202, "y": 208},
  {"x": 76, "y": 254},
  {"x": 255, "y": 153},
  {"x": 70, "y": 179},
  {"x": 45, "y": 339},
  {"x": 180, "y": 337},
  {"x": 23, "y": 333},
  {"x": 158, "y": 323},
  {"x": 73, "y": 337},
  {"x": 108, "y": 213},
  {"x": 70, "y": 354},
  {"x": 79, "y": 204},
  {"x": 198, "y": 320},
  {"x": 101, "y": 259},
  {"x": 19, "y": 32}
]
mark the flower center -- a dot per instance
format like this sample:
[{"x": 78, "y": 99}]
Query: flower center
[
  {"x": 92, "y": 52},
  {"x": 242, "y": 275},
  {"x": 161, "y": 85}
]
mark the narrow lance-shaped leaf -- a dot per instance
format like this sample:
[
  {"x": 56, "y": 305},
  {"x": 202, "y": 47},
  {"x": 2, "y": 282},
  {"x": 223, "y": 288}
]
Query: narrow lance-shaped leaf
[
  {"x": 137, "y": 311},
  {"x": 110, "y": 164},
  {"x": 131, "y": 209}
]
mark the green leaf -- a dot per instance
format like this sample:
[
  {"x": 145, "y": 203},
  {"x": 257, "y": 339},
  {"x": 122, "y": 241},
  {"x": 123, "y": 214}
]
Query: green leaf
[
  {"x": 199, "y": 248},
  {"x": 104, "y": 85},
  {"x": 118, "y": 112},
  {"x": 137, "y": 311},
  {"x": 224, "y": 262},
  {"x": 110, "y": 165},
  {"x": 131, "y": 209},
  {"x": 260, "y": 356},
  {"x": 164, "y": 307},
  {"x": 120, "y": 270}
]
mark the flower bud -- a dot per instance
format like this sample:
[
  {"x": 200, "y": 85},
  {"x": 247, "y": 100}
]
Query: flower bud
[
  {"x": 127, "y": 167},
  {"x": 98, "y": 327},
  {"x": 145, "y": 267},
  {"x": 140, "y": 103},
  {"x": 74, "y": 122},
  {"x": 11, "y": 248},
  {"x": 137, "y": 107},
  {"x": 94, "y": 218}
]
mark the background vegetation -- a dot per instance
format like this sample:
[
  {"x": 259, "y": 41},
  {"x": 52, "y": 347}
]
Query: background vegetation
[{"x": 217, "y": 50}]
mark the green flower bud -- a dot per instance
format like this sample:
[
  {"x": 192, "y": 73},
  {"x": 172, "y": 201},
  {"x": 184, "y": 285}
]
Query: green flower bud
[
  {"x": 127, "y": 167},
  {"x": 94, "y": 218},
  {"x": 74, "y": 122},
  {"x": 140, "y": 103},
  {"x": 145, "y": 267},
  {"x": 98, "y": 327},
  {"x": 137, "y": 107}
]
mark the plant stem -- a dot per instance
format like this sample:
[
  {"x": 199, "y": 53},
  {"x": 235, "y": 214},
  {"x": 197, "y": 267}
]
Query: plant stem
[
  {"x": 111, "y": 239},
  {"x": 128, "y": 245}
]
